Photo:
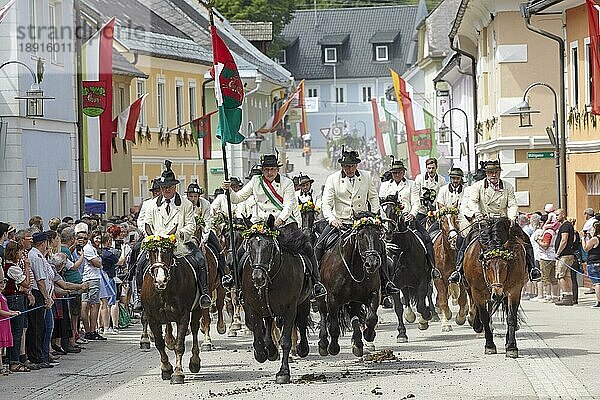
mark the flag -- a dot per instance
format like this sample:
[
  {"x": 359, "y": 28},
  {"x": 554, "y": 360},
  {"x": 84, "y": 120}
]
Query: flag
[
  {"x": 418, "y": 135},
  {"x": 229, "y": 91},
  {"x": 593, "y": 8},
  {"x": 273, "y": 123},
  {"x": 4, "y": 10},
  {"x": 127, "y": 120},
  {"x": 201, "y": 129},
  {"x": 377, "y": 124},
  {"x": 98, "y": 126},
  {"x": 303, "y": 127},
  {"x": 392, "y": 126}
]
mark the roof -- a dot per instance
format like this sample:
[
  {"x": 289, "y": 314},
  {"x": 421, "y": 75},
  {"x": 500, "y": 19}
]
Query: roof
[
  {"x": 360, "y": 25},
  {"x": 123, "y": 67},
  {"x": 437, "y": 27},
  {"x": 384, "y": 37},
  {"x": 254, "y": 31}
]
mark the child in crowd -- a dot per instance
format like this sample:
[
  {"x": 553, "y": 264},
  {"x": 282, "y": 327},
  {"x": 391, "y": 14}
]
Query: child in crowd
[{"x": 6, "y": 338}]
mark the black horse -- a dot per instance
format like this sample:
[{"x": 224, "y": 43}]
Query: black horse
[
  {"x": 350, "y": 272},
  {"x": 274, "y": 285},
  {"x": 308, "y": 224},
  {"x": 410, "y": 270},
  {"x": 170, "y": 294}
]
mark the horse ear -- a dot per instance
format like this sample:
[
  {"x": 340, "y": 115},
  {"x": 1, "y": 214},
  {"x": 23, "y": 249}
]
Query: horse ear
[
  {"x": 271, "y": 221},
  {"x": 148, "y": 229},
  {"x": 172, "y": 231}
]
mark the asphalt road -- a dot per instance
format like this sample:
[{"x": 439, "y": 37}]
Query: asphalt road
[{"x": 559, "y": 358}]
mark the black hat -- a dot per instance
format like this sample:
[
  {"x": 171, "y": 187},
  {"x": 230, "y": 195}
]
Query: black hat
[
  {"x": 304, "y": 179},
  {"x": 219, "y": 191},
  {"x": 194, "y": 187},
  {"x": 492, "y": 165},
  {"x": 39, "y": 237},
  {"x": 349, "y": 157},
  {"x": 255, "y": 170},
  {"x": 155, "y": 185},
  {"x": 235, "y": 181},
  {"x": 3, "y": 228},
  {"x": 431, "y": 161},
  {"x": 168, "y": 176},
  {"x": 456, "y": 172},
  {"x": 397, "y": 166},
  {"x": 269, "y": 160}
]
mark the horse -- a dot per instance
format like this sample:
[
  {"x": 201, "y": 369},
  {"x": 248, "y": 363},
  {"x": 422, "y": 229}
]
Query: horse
[
  {"x": 410, "y": 271},
  {"x": 215, "y": 289},
  {"x": 428, "y": 201},
  {"x": 309, "y": 216},
  {"x": 495, "y": 272},
  {"x": 170, "y": 294},
  {"x": 274, "y": 285},
  {"x": 350, "y": 272},
  {"x": 444, "y": 244}
]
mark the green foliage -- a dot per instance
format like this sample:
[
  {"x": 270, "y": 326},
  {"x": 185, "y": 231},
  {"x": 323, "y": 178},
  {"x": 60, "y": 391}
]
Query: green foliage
[{"x": 279, "y": 12}]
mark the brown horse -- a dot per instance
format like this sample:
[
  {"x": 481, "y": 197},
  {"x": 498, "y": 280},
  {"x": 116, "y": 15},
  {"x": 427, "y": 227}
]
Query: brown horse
[
  {"x": 217, "y": 293},
  {"x": 495, "y": 272},
  {"x": 170, "y": 294},
  {"x": 444, "y": 244},
  {"x": 350, "y": 272}
]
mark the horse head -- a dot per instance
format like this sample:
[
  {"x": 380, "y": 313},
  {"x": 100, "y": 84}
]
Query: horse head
[
  {"x": 369, "y": 239},
  {"x": 428, "y": 199},
  {"x": 393, "y": 209},
  {"x": 262, "y": 247},
  {"x": 448, "y": 218},
  {"x": 160, "y": 249},
  {"x": 497, "y": 255}
]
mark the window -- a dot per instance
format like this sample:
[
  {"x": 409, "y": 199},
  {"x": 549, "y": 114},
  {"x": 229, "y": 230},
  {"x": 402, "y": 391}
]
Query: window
[
  {"x": 381, "y": 53},
  {"x": 366, "y": 94},
  {"x": 122, "y": 99},
  {"x": 33, "y": 23},
  {"x": 330, "y": 55},
  {"x": 313, "y": 92},
  {"x": 192, "y": 95},
  {"x": 54, "y": 44},
  {"x": 143, "y": 186},
  {"x": 574, "y": 74},
  {"x": 32, "y": 189},
  {"x": 588, "y": 71},
  {"x": 141, "y": 90},
  {"x": 160, "y": 101},
  {"x": 179, "y": 102},
  {"x": 62, "y": 193},
  {"x": 102, "y": 196},
  {"x": 282, "y": 59},
  {"x": 339, "y": 95},
  {"x": 125, "y": 203},
  {"x": 114, "y": 203}
]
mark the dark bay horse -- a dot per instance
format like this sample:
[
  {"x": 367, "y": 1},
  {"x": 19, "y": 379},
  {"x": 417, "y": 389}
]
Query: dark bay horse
[
  {"x": 350, "y": 272},
  {"x": 308, "y": 223},
  {"x": 409, "y": 268},
  {"x": 169, "y": 294},
  {"x": 495, "y": 272},
  {"x": 275, "y": 286},
  {"x": 444, "y": 244}
]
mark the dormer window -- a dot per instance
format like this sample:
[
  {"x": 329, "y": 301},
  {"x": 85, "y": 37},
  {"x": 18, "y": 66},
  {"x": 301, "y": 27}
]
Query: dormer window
[
  {"x": 282, "y": 59},
  {"x": 330, "y": 54},
  {"x": 382, "y": 53}
]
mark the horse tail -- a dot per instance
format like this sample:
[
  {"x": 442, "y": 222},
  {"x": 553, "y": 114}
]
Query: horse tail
[{"x": 344, "y": 317}]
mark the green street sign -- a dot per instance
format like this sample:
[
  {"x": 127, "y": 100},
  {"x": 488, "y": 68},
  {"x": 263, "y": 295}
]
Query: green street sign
[
  {"x": 540, "y": 154},
  {"x": 218, "y": 170}
]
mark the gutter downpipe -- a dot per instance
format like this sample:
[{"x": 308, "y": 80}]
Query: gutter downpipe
[
  {"x": 204, "y": 163},
  {"x": 475, "y": 101},
  {"x": 563, "y": 127}
]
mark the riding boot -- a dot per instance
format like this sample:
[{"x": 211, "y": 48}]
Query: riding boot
[
  {"x": 457, "y": 275},
  {"x": 140, "y": 267},
  {"x": 202, "y": 281},
  {"x": 435, "y": 273},
  {"x": 534, "y": 272},
  {"x": 387, "y": 286},
  {"x": 318, "y": 288}
]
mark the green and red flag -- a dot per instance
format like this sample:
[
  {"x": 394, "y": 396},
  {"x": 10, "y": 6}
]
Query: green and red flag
[
  {"x": 229, "y": 91},
  {"x": 201, "y": 129}
]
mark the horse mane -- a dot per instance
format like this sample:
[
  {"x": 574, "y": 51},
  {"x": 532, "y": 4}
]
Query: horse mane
[
  {"x": 295, "y": 239},
  {"x": 363, "y": 214},
  {"x": 495, "y": 233}
]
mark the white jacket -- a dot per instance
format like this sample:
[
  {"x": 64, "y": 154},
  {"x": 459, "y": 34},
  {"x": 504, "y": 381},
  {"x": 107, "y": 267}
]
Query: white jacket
[
  {"x": 264, "y": 206},
  {"x": 487, "y": 201},
  {"x": 406, "y": 195},
  {"x": 219, "y": 205},
  {"x": 181, "y": 214},
  {"x": 341, "y": 199},
  {"x": 145, "y": 209},
  {"x": 449, "y": 196}
]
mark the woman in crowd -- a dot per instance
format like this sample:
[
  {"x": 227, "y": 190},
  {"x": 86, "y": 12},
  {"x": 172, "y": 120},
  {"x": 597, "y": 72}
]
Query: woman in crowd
[
  {"x": 6, "y": 337},
  {"x": 591, "y": 244},
  {"x": 111, "y": 260}
]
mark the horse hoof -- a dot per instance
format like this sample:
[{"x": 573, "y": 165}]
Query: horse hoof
[
  {"x": 435, "y": 317},
  {"x": 177, "y": 379},
  {"x": 206, "y": 347},
  {"x": 490, "y": 350},
  {"x": 302, "y": 350},
  {"x": 260, "y": 356},
  {"x": 333, "y": 349},
  {"x": 512, "y": 353},
  {"x": 357, "y": 351},
  {"x": 282, "y": 379},
  {"x": 446, "y": 328},
  {"x": 194, "y": 365},
  {"x": 370, "y": 346},
  {"x": 401, "y": 339},
  {"x": 423, "y": 326},
  {"x": 166, "y": 375},
  {"x": 460, "y": 320},
  {"x": 410, "y": 317},
  {"x": 221, "y": 329},
  {"x": 236, "y": 326},
  {"x": 145, "y": 346},
  {"x": 323, "y": 351},
  {"x": 231, "y": 333}
]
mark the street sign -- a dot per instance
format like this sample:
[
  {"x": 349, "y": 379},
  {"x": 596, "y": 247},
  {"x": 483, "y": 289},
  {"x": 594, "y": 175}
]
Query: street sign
[
  {"x": 217, "y": 170},
  {"x": 540, "y": 154},
  {"x": 325, "y": 132},
  {"x": 336, "y": 131}
]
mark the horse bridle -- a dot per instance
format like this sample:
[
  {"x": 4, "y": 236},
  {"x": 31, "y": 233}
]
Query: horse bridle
[
  {"x": 166, "y": 268},
  {"x": 400, "y": 215},
  {"x": 267, "y": 268},
  {"x": 362, "y": 255}
]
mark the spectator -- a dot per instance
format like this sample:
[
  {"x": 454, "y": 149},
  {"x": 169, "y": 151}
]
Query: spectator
[
  {"x": 545, "y": 239},
  {"x": 592, "y": 246},
  {"x": 37, "y": 322},
  {"x": 36, "y": 223},
  {"x": 6, "y": 338},
  {"x": 3, "y": 235},
  {"x": 25, "y": 238},
  {"x": 525, "y": 224},
  {"x": 17, "y": 290},
  {"x": 53, "y": 223},
  {"x": 534, "y": 289},
  {"x": 72, "y": 247},
  {"x": 90, "y": 300},
  {"x": 53, "y": 242},
  {"x": 109, "y": 307},
  {"x": 590, "y": 220},
  {"x": 565, "y": 257},
  {"x": 68, "y": 220},
  {"x": 577, "y": 267}
]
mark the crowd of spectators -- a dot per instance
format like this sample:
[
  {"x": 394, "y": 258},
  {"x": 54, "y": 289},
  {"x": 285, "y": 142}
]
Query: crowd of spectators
[
  {"x": 61, "y": 288},
  {"x": 564, "y": 254}
]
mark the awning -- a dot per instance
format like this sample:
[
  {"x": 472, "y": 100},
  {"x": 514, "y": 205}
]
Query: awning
[
  {"x": 93, "y": 206},
  {"x": 334, "y": 40},
  {"x": 384, "y": 37}
]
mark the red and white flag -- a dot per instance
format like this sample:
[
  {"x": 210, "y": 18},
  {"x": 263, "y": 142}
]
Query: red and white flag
[
  {"x": 126, "y": 122},
  {"x": 273, "y": 123},
  {"x": 4, "y": 10},
  {"x": 593, "y": 8}
]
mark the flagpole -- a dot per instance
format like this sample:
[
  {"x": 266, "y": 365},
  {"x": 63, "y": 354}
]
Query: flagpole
[{"x": 226, "y": 174}]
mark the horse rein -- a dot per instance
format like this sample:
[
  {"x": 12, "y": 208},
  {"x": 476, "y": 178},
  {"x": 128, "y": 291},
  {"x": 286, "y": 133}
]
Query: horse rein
[
  {"x": 267, "y": 268},
  {"x": 360, "y": 253}
]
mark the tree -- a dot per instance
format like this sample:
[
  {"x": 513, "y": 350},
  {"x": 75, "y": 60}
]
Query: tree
[{"x": 279, "y": 12}]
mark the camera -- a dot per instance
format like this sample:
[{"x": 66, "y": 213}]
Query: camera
[{"x": 118, "y": 244}]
